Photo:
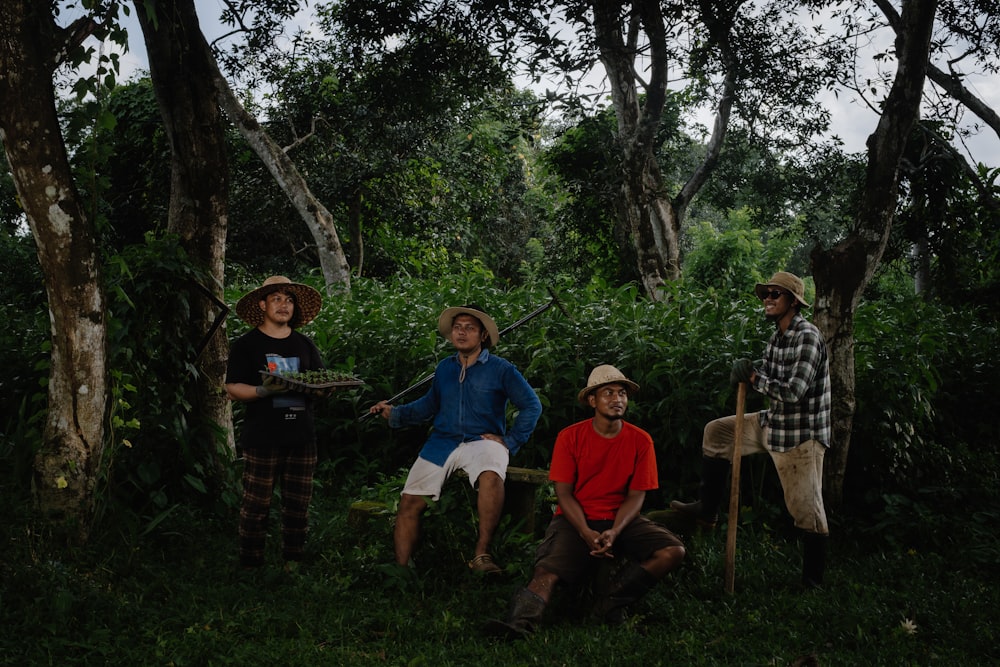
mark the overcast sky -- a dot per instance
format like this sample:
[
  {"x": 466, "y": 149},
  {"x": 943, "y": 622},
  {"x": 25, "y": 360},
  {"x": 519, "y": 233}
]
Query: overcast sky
[{"x": 853, "y": 122}]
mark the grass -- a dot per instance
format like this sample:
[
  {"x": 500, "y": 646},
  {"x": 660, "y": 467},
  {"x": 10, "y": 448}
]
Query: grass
[{"x": 175, "y": 596}]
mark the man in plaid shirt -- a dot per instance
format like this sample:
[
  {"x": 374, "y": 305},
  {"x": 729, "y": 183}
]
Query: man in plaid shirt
[{"x": 795, "y": 429}]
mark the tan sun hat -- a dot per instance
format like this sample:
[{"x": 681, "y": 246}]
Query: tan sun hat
[
  {"x": 601, "y": 376},
  {"x": 788, "y": 281},
  {"x": 448, "y": 316},
  {"x": 307, "y": 301}
]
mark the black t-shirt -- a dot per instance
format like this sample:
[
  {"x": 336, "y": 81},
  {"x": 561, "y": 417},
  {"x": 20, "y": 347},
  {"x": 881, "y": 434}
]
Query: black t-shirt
[{"x": 282, "y": 419}]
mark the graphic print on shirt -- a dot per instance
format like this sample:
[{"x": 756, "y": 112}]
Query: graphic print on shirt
[{"x": 280, "y": 365}]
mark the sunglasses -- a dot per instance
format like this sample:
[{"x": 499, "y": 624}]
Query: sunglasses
[{"x": 773, "y": 294}]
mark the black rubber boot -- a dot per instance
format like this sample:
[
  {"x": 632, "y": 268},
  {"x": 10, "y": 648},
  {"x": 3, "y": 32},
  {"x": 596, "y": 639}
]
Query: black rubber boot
[
  {"x": 628, "y": 585},
  {"x": 714, "y": 475},
  {"x": 813, "y": 559},
  {"x": 523, "y": 615}
]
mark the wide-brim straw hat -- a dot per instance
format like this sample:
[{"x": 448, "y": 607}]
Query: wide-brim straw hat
[
  {"x": 448, "y": 316},
  {"x": 788, "y": 281},
  {"x": 307, "y": 301},
  {"x": 601, "y": 376}
]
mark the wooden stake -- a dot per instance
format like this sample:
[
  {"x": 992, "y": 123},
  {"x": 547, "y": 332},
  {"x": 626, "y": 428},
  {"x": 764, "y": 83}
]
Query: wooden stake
[{"x": 734, "y": 490}]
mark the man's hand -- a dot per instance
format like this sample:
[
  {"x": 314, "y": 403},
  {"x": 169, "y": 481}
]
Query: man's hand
[
  {"x": 271, "y": 385},
  {"x": 742, "y": 371},
  {"x": 382, "y": 408},
  {"x": 495, "y": 438},
  {"x": 600, "y": 543}
]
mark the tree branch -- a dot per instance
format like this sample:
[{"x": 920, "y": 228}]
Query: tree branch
[{"x": 950, "y": 83}]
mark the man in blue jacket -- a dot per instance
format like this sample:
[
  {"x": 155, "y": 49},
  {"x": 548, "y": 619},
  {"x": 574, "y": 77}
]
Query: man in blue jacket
[{"x": 468, "y": 405}]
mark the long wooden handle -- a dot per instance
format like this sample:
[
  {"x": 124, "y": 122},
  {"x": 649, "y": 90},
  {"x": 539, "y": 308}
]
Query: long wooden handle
[{"x": 734, "y": 490}]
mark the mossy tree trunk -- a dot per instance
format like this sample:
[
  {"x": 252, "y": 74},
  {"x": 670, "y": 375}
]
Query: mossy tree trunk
[
  {"x": 73, "y": 434},
  {"x": 842, "y": 272},
  {"x": 181, "y": 68}
]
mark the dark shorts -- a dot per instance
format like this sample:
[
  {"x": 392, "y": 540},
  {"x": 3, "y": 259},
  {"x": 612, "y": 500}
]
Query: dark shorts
[{"x": 564, "y": 554}]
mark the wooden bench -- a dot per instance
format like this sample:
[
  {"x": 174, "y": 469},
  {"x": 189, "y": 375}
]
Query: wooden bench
[{"x": 521, "y": 489}]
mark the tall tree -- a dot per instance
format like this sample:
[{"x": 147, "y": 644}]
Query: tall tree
[
  {"x": 317, "y": 217},
  {"x": 842, "y": 272},
  {"x": 32, "y": 45},
  {"x": 407, "y": 144},
  {"x": 974, "y": 29},
  {"x": 752, "y": 56},
  {"x": 183, "y": 74},
  {"x": 651, "y": 218},
  {"x": 259, "y": 22}
]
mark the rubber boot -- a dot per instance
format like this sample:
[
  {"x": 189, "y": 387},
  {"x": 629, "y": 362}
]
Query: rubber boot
[
  {"x": 523, "y": 615},
  {"x": 813, "y": 559},
  {"x": 628, "y": 585},
  {"x": 714, "y": 475}
]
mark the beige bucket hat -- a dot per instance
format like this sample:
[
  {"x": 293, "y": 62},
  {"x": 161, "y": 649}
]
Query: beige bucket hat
[
  {"x": 307, "y": 301},
  {"x": 601, "y": 376},
  {"x": 787, "y": 281},
  {"x": 449, "y": 314}
]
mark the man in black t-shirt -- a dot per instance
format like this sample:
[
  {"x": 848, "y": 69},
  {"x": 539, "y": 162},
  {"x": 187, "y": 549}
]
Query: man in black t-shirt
[{"x": 278, "y": 437}]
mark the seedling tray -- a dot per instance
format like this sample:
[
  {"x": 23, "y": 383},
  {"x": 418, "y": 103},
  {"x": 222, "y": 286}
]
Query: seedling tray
[{"x": 314, "y": 382}]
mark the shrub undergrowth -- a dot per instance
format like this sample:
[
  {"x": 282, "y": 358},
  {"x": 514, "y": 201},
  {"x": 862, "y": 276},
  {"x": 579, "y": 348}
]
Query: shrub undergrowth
[
  {"x": 913, "y": 551},
  {"x": 176, "y": 597}
]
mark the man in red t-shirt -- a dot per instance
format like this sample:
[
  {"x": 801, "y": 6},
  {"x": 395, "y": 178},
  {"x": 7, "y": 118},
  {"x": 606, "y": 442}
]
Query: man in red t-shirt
[{"x": 601, "y": 468}]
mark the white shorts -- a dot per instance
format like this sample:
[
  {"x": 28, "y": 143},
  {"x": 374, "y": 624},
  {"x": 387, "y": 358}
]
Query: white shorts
[{"x": 475, "y": 458}]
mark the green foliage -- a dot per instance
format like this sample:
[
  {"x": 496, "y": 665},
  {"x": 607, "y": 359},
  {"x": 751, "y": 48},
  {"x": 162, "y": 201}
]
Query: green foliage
[
  {"x": 24, "y": 356},
  {"x": 154, "y": 457},
  {"x": 921, "y": 543},
  {"x": 176, "y": 596},
  {"x": 925, "y": 432},
  {"x": 726, "y": 260},
  {"x": 585, "y": 183},
  {"x": 135, "y": 162},
  {"x": 925, "y": 383},
  {"x": 421, "y": 162},
  {"x": 947, "y": 230}
]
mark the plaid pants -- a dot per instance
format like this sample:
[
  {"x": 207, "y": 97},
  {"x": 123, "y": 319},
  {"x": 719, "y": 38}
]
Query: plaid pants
[{"x": 293, "y": 468}]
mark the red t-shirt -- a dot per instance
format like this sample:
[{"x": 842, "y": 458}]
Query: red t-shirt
[{"x": 603, "y": 470}]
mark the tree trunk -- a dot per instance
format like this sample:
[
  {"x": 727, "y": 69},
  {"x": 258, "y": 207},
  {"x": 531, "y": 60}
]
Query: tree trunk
[
  {"x": 842, "y": 272},
  {"x": 645, "y": 212},
  {"x": 73, "y": 435},
  {"x": 357, "y": 241},
  {"x": 336, "y": 271},
  {"x": 182, "y": 79},
  {"x": 641, "y": 183}
]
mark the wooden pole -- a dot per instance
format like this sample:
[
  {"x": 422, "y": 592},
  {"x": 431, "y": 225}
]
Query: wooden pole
[{"x": 734, "y": 490}]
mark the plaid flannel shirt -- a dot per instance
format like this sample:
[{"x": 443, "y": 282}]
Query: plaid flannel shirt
[{"x": 796, "y": 377}]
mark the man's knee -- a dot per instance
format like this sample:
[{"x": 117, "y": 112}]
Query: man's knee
[
  {"x": 489, "y": 478},
  {"x": 543, "y": 579},
  {"x": 669, "y": 558},
  {"x": 410, "y": 505},
  {"x": 717, "y": 438}
]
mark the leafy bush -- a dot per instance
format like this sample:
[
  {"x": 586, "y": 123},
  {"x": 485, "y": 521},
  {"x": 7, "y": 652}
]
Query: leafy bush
[
  {"x": 924, "y": 446},
  {"x": 24, "y": 357},
  {"x": 906, "y": 580},
  {"x": 925, "y": 386},
  {"x": 678, "y": 351},
  {"x": 155, "y": 455}
]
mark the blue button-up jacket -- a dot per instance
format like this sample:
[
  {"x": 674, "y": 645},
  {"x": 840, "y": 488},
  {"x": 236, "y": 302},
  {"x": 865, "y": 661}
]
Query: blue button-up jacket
[{"x": 466, "y": 410}]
